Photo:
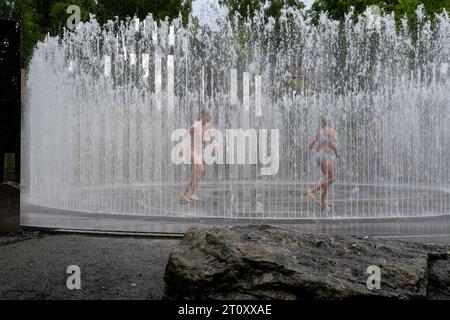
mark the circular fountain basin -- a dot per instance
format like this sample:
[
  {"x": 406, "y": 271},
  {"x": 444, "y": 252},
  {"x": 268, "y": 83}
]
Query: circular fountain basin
[{"x": 271, "y": 201}]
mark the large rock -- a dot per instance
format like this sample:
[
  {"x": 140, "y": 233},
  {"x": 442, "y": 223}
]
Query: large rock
[
  {"x": 439, "y": 277},
  {"x": 9, "y": 208},
  {"x": 264, "y": 262}
]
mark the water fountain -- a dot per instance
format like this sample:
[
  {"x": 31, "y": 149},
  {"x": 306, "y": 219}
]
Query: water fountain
[{"x": 104, "y": 100}]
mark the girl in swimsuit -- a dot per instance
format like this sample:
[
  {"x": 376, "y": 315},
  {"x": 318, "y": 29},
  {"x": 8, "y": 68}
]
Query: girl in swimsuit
[
  {"x": 199, "y": 133},
  {"x": 325, "y": 150}
]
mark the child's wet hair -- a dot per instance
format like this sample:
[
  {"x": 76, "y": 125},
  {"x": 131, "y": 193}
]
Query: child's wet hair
[{"x": 204, "y": 112}]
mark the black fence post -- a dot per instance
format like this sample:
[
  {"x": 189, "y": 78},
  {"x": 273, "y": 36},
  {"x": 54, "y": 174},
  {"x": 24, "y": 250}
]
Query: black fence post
[{"x": 10, "y": 100}]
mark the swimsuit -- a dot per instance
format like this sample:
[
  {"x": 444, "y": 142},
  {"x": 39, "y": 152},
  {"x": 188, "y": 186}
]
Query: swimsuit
[
  {"x": 321, "y": 155},
  {"x": 197, "y": 151}
]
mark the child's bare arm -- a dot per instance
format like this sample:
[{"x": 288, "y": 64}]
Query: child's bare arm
[
  {"x": 333, "y": 146},
  {"x": 313, "y": 141}
]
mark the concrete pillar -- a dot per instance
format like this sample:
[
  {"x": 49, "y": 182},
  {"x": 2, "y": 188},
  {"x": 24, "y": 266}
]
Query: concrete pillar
[{"x": 9, "y": 208}]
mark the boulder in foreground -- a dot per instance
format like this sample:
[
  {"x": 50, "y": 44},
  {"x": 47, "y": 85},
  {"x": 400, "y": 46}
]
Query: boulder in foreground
[{"x": 265, "y": 262}]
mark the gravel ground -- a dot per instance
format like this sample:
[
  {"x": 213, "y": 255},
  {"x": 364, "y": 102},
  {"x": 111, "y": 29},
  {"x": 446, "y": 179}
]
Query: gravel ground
[{"x": 33, "y": 265}]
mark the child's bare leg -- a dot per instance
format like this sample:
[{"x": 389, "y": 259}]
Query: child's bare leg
[
  {"x": 312, "y": 191},
  {"x": 199, "y": 172},
  {"x": 323, "y": 199},
  {"x": 327, "y": 183},
  {"x": 199, "y": 169},
  {"x": 187, "y": 189},
  {"x": 192, "y": 182},
  {"x": 184, "y": 196}
]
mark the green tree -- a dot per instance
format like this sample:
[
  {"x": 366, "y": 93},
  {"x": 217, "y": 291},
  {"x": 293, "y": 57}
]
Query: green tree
[
  {"x": 337, "y": 9},
  {"x": 39, "y": 17},
  {"x": 31, "y": 29},
  {"x": 9, "y": 10},
  {"x": 247, "y": 8},
  {"x": 407, "y": 8},
  {"x": 108, "y": 9},
  {"x": 58, "y": 15}
]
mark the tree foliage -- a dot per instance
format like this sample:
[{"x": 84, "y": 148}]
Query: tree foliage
[
  {"x": 337, "y": 9},
  {"x": 9, "y": 10},
  {"x": 39, "y": 17},
  {"x": 247, "y": 8},
  {"x": 57, "y": 14},
  {"x": 107, "y": 9}
]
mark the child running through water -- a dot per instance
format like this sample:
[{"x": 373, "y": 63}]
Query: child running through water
[
  {"x": 325, "y": 150},
  {"x": 199, "y": 137}
]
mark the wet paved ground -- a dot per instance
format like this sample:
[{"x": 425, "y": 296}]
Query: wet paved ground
[{"x": 34, "y": 267}]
